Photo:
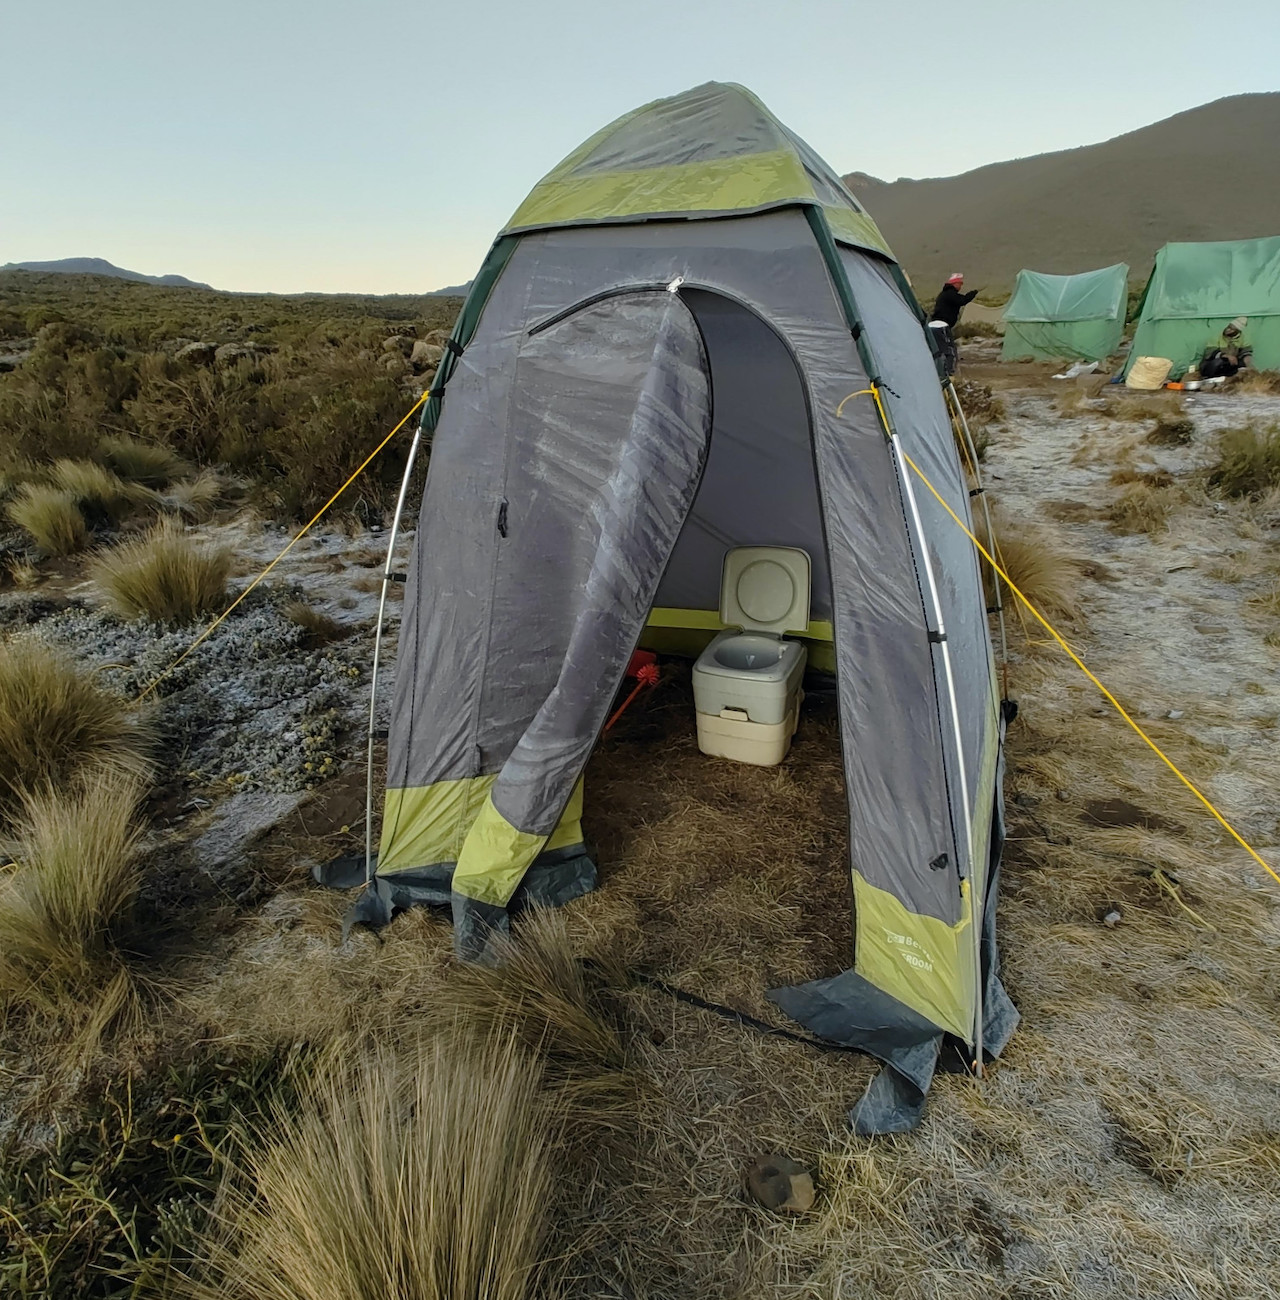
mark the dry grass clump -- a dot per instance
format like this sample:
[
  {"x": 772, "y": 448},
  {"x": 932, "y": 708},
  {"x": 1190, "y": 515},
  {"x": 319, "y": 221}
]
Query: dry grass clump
[
  {"x": 1175, "y": 431},
  {"x": 146, "y": 463},
  {"x": 426, "y": 1175},
  {"x": 65, "y": 901},
  {"x": 981, "y": 405},
  {"x": 102, "y": 496},
  {"x": 51, "y": 517},
  {"x": 23, "y": 574},
  {"x": 1036, "y": 564},
  {"x": 1248, "y": 461},
  {"x": 1257, "y": 381},
  {"x": 166, "y": 576},
  {"x": 195, "y": 498},
  {"x": 1149, "y": 406},
  {"x": 318, "y": 627},
  {"x": 1143, "y": 507},
  {"x": 56, "y": 723}
]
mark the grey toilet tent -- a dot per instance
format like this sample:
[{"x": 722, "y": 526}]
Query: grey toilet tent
[{"x": 646, "y": 373}]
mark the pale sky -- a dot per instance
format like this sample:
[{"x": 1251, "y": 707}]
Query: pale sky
[{"x": 378, "y": 147}]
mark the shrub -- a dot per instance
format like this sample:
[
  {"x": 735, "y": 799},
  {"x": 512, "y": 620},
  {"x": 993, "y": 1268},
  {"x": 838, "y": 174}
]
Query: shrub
[
  {"x": 57, "y": 723},
  {"x": 73, "y": 888},
  {"x": 166, "y": 576},
  {"x": 976, "y": 329},
  {"x": 51, "y": 517},
  {"x": 146, "y": 463},
  {"x": 981, "y": 405},
  {"x": 426, "y": 1176},
  {"x": 1248, "y": 461},
  {"x": 195, "y": 498}
]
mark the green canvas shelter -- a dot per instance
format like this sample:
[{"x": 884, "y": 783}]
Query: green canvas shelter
[
  {"x": 652, "y": 368},
  {"x": 1196, "y": 289},
  {"x": 1077, "y": 317}
]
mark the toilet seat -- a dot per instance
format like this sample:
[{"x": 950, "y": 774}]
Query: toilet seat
[{"x": 766, "y": 589}]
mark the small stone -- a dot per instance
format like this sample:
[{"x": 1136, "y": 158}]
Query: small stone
[
  {"x": 1175, "y": 714},
  {"x": 781, "y": 1184},
  {"x": 1112, "y": 918}
]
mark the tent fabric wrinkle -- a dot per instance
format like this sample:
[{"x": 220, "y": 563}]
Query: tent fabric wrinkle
[{"x": 604, "y": 442}]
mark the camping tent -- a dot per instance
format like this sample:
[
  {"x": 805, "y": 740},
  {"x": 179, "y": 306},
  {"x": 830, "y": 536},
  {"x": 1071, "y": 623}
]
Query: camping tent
[
  {"x": 648, "y": 370},
  {"x": 1077, "y": 316},
  {"x": 1196, "y": 289}
]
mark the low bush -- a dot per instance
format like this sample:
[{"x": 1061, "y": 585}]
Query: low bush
[
  {"x": 975, "y": 329},
  {"x": 1143, "y": 507},
  {"x": 57, "y": 723},
  {"x": 63, "y": 905},
  {"x": 166, "y": 576},
  {"x": 51, "y": 517},
  {"x": 1248, "y": 462},
  {"x": 1172, "y": 431}
]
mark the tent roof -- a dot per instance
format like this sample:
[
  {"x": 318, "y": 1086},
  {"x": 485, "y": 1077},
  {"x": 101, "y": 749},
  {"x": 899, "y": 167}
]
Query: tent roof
[
  {"x": 1201, "y": 281},
  {"x": 712, "y": 151},
  {"x": 1091, "y": 295}
]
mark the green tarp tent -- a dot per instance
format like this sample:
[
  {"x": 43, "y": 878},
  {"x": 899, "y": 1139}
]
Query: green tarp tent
[
  {"x": 1080, "y": 317},
  {"x": 669, "y": 352},
  {"x": 1196, "y": 289}
]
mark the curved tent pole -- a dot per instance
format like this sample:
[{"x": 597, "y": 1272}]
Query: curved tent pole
[
  {"x": 964, "y": 842},
  {"x": 388, "y": 577},
  {"x": 953, "y": 400}
]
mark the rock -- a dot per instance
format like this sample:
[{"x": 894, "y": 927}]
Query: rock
[
  {"x": 230, "y": 353},
  {"x": 401, "y": 343},
  {"x": 393, "y": 362},
  {"x": 426, "y": 355},
  {"x": 1112, "y": 918},
  {"x": 199, "y": 354},
  {"x": 781, "y": 1184}
]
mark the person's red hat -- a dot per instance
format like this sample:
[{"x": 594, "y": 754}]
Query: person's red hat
[{"x": 955, "y": 279}]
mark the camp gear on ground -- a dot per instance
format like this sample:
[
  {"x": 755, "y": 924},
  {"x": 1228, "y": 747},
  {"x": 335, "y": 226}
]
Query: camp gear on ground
[
  {"x": 1148, "y": 372},
  {"x": 950, "y": 302},
  {"x": 1220, "y": 364},
  {"x": 1070, "y": 316},
  {"x": 1196, "y": 289},
  {"x": 680, "y": 345}
]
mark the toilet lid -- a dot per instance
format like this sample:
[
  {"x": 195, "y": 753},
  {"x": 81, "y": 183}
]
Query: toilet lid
[{"x": 765, "y": 588}]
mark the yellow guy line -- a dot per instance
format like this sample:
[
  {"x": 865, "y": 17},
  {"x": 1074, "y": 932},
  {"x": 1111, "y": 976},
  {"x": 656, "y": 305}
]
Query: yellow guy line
[
  {"x": 1075, "y": 658},
  {"x": 1079, "y": 663},
  {"x": 205, "y": 635}
]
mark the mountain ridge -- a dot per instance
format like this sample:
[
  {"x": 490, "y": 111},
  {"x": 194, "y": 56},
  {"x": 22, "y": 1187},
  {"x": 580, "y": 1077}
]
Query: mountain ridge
[
  {"x": 1211, "y": 172},
  {"x": 100, "y": 266}
]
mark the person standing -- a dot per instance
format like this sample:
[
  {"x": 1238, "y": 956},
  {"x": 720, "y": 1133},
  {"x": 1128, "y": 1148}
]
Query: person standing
[{"x": 946, "y": 316}]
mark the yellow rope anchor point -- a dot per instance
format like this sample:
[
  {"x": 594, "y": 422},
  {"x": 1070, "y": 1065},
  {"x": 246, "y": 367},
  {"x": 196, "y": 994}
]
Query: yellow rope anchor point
[
  {"x": 1075, "y": 658},
  {"x": 297, "y": 537}
]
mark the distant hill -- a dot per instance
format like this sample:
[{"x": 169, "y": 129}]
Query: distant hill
[
  {"x": 100, "y": 266},
  {"x": 453, "y": 291},
  {"x": 1212, "y": 172}
]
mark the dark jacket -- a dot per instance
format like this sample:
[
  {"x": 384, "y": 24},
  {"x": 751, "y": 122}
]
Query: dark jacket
[{"x": 949, "y": 302}]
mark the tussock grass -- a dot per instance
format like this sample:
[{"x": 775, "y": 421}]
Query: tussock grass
[
  {"x": 1149, "y": 406},
  {"x": 1144, "y": 507},
  {"x": 51, "y": 517},
  {"x": 1257, "y": 381},
  {"x": 1172, "y": 431},
  {"x": 195, "y": 498},
  {"x": 148, "y": 464},
  {"x": 1248, "y": 462},
  {"x": 1038, "y": 566},
  {"x": 57, "y": 723},
  {"x": 23, "y": 574},
  {"x": 166, "y": 576},
  {"x": 425, "y": 1175},
  {"x": 70, "y": 893},
  {"x": 319, "y": 628},
  {"x": 102, "y": 496}
]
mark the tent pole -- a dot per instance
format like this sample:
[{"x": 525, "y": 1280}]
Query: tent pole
[
  {"x": 377, "y": 651},
  {"x": 966, "y": 849},
  {"x": 953, "y": 398}
]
